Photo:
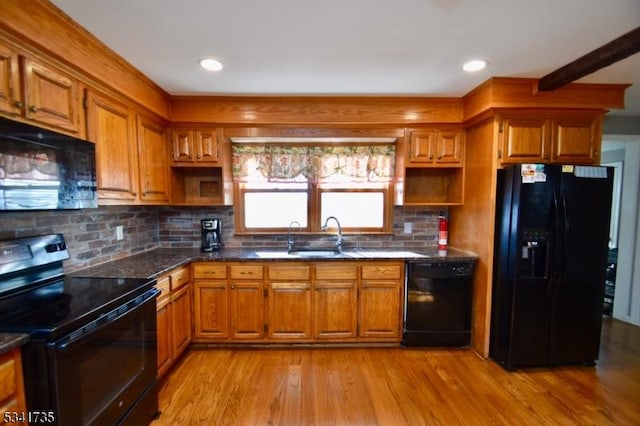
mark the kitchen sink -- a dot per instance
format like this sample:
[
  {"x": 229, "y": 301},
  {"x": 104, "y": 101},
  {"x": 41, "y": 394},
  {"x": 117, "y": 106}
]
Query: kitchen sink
[{"x": 357, "y": 254}]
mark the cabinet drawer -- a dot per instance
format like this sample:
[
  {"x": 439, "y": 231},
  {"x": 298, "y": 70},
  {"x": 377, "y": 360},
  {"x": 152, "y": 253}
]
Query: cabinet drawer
[
  {"x": 244, "y": 272},
  {"x": 336, "y": 271},
  {"x": 382, "y": 271},
  {"x": 164, "y": 285},
  {"x": 8, "y": 386},
  {"x": 179, "y": 277},
  {"x": 209, "y": 271},
  {"x": 289, "y": 272}
]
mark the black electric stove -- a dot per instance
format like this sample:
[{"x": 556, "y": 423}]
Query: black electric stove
[{"x": 91, "y": 354}]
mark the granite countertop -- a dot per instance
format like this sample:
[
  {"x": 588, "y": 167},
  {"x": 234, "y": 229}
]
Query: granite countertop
[
  {"x": 9, "y": 341},
  {"x": 153, "y": 263}
]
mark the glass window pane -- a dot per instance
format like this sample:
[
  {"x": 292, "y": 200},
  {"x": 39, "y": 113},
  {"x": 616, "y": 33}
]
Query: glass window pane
[
  {"x": 354, "y": 209},
  {"x": 274, "y": 209}
]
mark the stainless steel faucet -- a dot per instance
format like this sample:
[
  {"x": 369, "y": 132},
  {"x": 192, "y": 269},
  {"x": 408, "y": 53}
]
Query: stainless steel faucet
[
  {"x": 290, "y": 237},
  {"x": 339, "y": 239}
]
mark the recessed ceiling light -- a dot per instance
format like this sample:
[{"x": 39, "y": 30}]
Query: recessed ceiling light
[
  {"x": 210, "y": 64},
  {"x": 474, "y": 65}
]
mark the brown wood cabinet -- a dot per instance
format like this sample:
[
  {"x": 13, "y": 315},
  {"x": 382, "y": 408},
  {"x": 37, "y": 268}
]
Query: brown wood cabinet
[
  {"x": 545, "y": 137},
  {"x": 111, "y": 125},
  {"x": 194, "y": 146},
  {"x": 436, "y": 148},
  {"x": 289, "y": 301},
  {"x": 380, "y": 309},
  {"x": 174, "y": 316},
  {"x": 211, "y": 300},
  {"x": 153, "y": 164},
  {"x": 246, "y": 301},
  {"x": 39, "y": 92},
  {"x": 335, "y": 307},
  {"x": 163, "y": 325},
  {"x": 12, "y": 396},
  {"x": 433, "y": 167},
  {"x": 10, "y": 90}
]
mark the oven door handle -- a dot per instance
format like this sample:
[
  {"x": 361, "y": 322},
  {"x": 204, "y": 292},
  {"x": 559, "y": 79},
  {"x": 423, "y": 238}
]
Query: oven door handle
[{"x": 106, "y": 319}]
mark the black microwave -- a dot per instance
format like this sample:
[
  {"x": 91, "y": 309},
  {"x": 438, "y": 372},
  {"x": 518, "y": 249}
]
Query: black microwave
[{"x": 45, "y": 170}]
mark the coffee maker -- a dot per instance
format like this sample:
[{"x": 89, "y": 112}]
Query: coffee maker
[{"x": 211, "y": 234}]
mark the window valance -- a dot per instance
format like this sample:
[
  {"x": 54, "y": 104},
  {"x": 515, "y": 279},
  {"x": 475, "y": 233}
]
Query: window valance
[{"x": 286, "y": 163}]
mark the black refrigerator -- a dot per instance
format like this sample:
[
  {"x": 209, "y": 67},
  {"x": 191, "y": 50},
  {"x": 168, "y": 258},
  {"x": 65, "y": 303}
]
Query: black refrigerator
[{"x": 551, "y": 246}]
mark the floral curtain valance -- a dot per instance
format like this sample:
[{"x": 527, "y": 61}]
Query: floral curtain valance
[{"x": 284, "y": 163}]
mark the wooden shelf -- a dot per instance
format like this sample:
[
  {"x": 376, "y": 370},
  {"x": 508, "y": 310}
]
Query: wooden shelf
[
  {"x": 197, "y": 186},
  {"x": 433, "y": 186}
]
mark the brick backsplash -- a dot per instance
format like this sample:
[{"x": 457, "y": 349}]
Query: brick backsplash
[
  {"x": 91, "y": 233},
  {"x": 180, "y": 227}
]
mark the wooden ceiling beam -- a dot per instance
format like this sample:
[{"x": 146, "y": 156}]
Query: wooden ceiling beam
[{"x": 612, "y": 52}]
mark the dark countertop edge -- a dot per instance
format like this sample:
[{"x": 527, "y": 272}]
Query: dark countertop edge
[
  {"x": 155, "y": 262},
  {"x": 10, "y": 341}
]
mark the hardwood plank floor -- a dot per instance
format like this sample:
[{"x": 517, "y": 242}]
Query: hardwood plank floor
[{"x": 400, "y": 386}]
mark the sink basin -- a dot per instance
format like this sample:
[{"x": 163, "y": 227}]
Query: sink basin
[
  {"x": 315, "y": 253},
  {"x": 393, "y": 254},
  {"x": 362, "y": 254},
  {"x": 277, "y": 254}
]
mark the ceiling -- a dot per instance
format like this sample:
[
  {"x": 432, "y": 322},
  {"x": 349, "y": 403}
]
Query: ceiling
[{"x": 358, "y": 47}]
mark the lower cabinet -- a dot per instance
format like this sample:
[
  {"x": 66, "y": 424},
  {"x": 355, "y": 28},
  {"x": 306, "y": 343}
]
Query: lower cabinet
[
  {"x": 174, "y": 316},
  {"x": 298, "y": 301},
  {"x": 381, "y": 300},
  {"x": 12, "y": 399}
]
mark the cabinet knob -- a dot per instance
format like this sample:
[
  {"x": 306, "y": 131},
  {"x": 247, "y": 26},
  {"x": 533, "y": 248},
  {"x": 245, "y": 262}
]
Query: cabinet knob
[
  {"x": 439, "y": 157},
  {"x": 19, "y": 104},
  {"x": 430, "y": 156},
  {"x": 33, "y": 108},
  {"x": 198, "y": 156}
]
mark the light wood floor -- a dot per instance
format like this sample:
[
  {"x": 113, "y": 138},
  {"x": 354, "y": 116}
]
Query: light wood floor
[{"x": 399, "y": 386}]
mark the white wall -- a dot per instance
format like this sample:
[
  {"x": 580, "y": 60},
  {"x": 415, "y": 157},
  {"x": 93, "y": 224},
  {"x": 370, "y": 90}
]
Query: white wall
[{"x": 626, "y": 305}]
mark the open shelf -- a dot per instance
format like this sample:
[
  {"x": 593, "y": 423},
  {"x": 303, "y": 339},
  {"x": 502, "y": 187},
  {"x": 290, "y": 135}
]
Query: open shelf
[
  {"x": 433, "y": 186},
  {"x": 197, "y": 186}
]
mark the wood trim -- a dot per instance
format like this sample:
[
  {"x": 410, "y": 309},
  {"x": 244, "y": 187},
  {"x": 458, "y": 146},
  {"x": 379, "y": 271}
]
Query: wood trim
[
  {"x": 315, "y": 110},
  {"x": 501, "y": 92}
]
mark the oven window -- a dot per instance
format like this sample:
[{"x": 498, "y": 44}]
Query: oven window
[{"x": 102, "y": 375}]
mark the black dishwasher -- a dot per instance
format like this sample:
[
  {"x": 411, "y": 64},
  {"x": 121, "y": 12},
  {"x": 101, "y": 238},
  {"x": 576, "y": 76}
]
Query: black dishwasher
[{"x": 438, "y": 303}]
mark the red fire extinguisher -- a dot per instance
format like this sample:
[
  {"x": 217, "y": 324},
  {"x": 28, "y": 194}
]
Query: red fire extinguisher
[{"x": 442, "y": 234}]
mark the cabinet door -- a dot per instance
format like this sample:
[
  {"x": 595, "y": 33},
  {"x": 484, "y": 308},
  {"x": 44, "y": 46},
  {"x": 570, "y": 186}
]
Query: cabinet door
[
  {"x": 10, "y": 93},
  {"x": 206, "y": 146},
  {"x": 335, "y": 309},
  {"x": 52, "y": 97},
  {"x": 182, "y": 145},
  {"x": 181, "y": 319},
  {"x": 247, "y": 310},
  {"x": 153, "y": 166},
  {"x": 163, "y": 325},
  {"x": 524, "y": 140},
  {"x": 211, "y": 309},
  {"x": 380, "y": 309},
  {"x": 576, "y": 139},
  {"x": 289, "y": 310},
  {"x": 421, "y": 146},
  {"x": 111, "y": 126},
  {"x": 449, "y": 147}
]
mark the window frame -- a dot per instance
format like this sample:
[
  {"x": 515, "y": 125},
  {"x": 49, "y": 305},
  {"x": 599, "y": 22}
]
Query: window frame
[{"x": 314, "y": 192}]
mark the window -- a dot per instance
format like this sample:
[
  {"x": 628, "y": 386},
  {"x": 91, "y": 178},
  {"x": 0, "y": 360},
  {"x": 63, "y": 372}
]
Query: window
[{"x": 277, "y": 184}]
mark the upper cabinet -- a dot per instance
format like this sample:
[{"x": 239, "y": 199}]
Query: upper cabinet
[
  {"x": 431, "y": 148},
  {"x": 543, "y": 137},
  {"x": 153, "y": 164},
  {"x": 111, "y": 125},
  {"x": 190, "y": 147},
  {"x": 433, "y": 167},
  {"x": 39, "y": 92}
]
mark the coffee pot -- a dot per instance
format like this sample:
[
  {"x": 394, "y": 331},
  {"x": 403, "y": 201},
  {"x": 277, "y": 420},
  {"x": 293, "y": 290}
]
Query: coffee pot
[{"x": 211, "y": 234}]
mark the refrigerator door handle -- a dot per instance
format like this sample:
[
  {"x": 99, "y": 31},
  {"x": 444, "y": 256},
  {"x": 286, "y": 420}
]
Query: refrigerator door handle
[{"x": 564, "y": 237}]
